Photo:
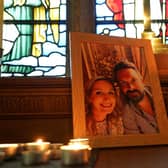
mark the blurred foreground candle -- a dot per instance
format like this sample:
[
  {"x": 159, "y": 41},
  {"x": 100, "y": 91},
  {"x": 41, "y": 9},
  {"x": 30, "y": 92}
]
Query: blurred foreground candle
[
  {"x": 36, "y": 153},
  {"x": 39, "y": 145},
  {"x": 75, "y": 153},
  {"x": 35, "y": 157},
  {"x": 9, "y": 150}
]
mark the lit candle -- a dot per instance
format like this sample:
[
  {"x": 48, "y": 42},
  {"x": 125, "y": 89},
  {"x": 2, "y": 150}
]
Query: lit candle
[
  {"x": 36, "y": 153},
  {"x": 39, "y": 145},
  {"x": 75, "y": 153},
  {"x": 10, "y": 150}
]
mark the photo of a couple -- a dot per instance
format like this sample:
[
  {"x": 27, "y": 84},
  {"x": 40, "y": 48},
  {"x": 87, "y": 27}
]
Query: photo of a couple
[
  {"x": 116, "y": 94},
  {"x": 130, "y": 112}
]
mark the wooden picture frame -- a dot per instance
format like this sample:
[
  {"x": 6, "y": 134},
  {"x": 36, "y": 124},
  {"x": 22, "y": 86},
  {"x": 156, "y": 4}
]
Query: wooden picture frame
[{"x": 86, "y": 51}]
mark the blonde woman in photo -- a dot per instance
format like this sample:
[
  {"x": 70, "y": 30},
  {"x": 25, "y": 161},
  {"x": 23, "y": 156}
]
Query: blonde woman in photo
[{"x": 102, "y": 116}]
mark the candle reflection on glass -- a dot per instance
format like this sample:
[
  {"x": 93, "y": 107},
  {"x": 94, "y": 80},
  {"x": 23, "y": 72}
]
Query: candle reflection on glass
[
  {"x": 83, "y": 141},
  {"x": 55, "y": 150}
]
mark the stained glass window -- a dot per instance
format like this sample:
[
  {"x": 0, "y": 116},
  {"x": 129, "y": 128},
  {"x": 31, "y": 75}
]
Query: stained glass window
[
  {"x": 34, "y": 38},
  {"x": 126, "y": 17}
]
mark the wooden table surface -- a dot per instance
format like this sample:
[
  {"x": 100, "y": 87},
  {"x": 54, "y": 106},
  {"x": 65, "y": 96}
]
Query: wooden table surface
[
  {"x": 127, "y": 157},
  {"x": 50, "y": 164},
  {"x": 133, "y": 157}
]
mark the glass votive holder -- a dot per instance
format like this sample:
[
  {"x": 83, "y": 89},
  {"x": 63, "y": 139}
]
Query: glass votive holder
[
  {"x": 2, "y": 156},
  {"x": 31, "y": 157},
  {"x": 75, "y": 155},
  {"x": 10, "y": 150},
  {"x": 55, "y": 151},
  {"x": 21, "y": 147},
  {"x": 36, "y": 153}
]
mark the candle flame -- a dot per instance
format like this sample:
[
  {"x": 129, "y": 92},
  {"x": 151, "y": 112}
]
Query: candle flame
[{"x": 39, "y": 141}]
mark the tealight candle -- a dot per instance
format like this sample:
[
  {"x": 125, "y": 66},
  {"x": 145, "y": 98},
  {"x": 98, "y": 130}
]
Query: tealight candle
[
  {"x": 39, "y": 145},
  {"x": 75, "y": 153},
  {"x": 10, "y": 150},
  {"x": 35, "y": 157},
  {"x": 36, "y": 152}
]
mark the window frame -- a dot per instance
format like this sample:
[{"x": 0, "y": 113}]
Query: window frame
[{"x": 78, "y": 14}]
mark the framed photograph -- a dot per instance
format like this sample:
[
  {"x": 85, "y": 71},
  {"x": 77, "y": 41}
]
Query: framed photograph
[{"x": 116, "y": 94}]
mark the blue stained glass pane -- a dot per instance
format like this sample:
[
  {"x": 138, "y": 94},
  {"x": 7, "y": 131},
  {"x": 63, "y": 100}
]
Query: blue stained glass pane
[
  {"x": 102, "y": 11},
  {"x": 126, "y": 18},
  {"x": 63, "y": 12},
  {"x": 111, "y": 30}
]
